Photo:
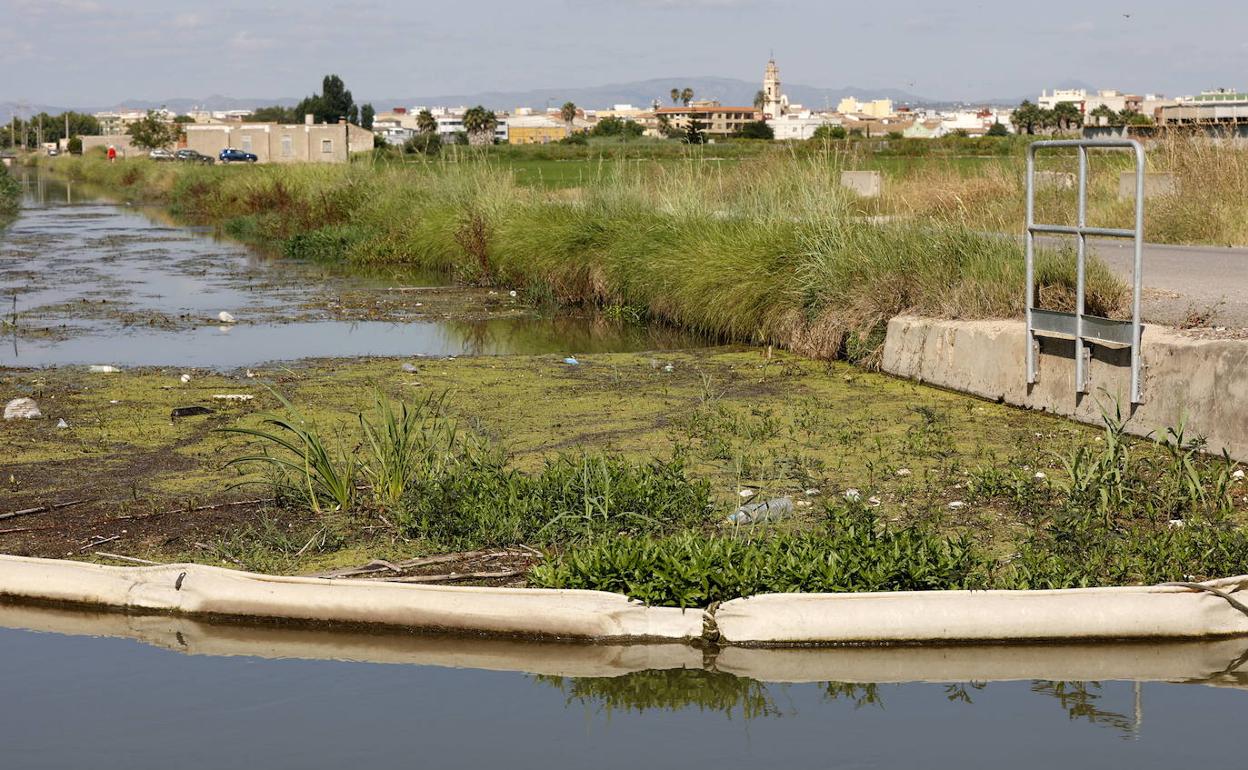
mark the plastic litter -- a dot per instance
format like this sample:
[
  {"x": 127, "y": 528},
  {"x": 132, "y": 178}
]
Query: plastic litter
[
  {"x": 409, "y": 368},
  {"x": 571, "y": 361},
  {"x": 62, "y": 424},
  {"x": 226, "y": 318},
  {"x": 762, "y": 511},
  {"x": 185, "y": 378},
  {"x": 853, "y": 495},
  {"x": 102, "y": 369},
  {"x": 22, "y": 409},
  {"x": 747, "y": 493},
  {"x": 233, "y": 397}
]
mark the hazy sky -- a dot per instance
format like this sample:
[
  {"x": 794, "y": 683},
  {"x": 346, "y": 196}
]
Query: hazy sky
[{"x": 98, "y": 52}]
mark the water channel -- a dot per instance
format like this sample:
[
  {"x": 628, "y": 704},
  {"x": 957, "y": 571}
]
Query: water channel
[
  {"x": 111, "y": 691},
  {"x": 96, "y": 282},
  {"x": 84, "y": 280}
]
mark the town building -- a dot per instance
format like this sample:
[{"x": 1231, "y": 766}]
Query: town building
[
  {"x": 276, "y": 143},
  {"x": 117, "y": 121},
  {"x": 878, "y": 108},
  {"x": 540, "y": 129},
  {"x": 799, "y": 126},
  {"x": 1222, "y": 108},
  {"x": 775, "y": 103},
  {"x": 715, "y": 119}
]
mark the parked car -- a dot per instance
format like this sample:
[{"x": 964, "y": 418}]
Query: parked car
[
  {"x": 232, "y": 155},
  {"x": 193, "y": 156},
  {"x": 160, "y": 153}
]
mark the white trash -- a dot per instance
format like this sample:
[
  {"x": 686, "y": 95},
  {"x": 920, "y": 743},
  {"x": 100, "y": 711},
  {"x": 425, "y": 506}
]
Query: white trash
[
  {"x": 102, "y": 369},
  {"x": 226, "y": 318},
  {"x": 22, "y": 409}
]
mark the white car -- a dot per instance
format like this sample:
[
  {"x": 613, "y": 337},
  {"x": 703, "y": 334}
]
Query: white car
[{"x": 160, "y": 153}]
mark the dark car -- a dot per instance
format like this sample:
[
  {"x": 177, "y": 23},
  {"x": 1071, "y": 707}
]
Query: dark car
[
  {"x": 231, "y": 155},
  {"x": 192, "y": 156}
]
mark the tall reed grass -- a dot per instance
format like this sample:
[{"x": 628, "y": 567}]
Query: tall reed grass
[{"x": 767, "y": 249}]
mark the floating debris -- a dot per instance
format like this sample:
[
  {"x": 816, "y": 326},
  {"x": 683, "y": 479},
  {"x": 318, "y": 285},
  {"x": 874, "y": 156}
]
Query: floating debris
[
  {"x": 22, "y": 409},
  {"x": 226, "y": 318},
  {"x": 758, "y": 513}
]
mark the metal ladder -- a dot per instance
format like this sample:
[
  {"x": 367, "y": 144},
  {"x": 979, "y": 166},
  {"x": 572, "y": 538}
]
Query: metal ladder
[{"x": 1079, "y": 326}]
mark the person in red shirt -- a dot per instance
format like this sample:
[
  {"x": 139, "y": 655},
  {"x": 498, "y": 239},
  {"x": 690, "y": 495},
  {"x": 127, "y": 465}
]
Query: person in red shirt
[{"x": 112, "y": 153}]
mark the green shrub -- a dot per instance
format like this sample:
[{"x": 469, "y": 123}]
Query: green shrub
[{"x": 10, "y": 194}]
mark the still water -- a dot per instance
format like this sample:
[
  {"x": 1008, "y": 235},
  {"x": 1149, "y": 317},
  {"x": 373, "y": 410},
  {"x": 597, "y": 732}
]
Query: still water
[
  {"x": 87, "y": 281},
  {"x": 107, "y": 691}
]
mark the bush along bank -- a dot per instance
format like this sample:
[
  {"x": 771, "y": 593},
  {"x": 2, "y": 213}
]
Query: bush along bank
[
  {"x": 766, "y": 250},
  {"x": 10, "y": 195},
  {"x": 1118, "y": 514}
]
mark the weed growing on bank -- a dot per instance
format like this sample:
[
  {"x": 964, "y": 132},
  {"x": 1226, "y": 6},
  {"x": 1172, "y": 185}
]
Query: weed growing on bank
[
  {"x": 767, "y": 249},
  {"x": 10, "y": 195}
]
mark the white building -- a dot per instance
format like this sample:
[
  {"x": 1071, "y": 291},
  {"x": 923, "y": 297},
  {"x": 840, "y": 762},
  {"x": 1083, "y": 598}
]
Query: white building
[{"x": 797, "y": 126}]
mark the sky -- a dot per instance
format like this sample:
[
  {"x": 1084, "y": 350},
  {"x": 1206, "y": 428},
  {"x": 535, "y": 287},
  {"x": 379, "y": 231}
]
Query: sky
[{"x": 100, "y": 52}]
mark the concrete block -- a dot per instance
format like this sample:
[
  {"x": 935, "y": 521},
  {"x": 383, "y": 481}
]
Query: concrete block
[
  {"x": 1055, "y": 180},
  {"x": 868, "y": 184},
  {"x": 1201, "y": 381},
  {"x": 1155, "y": 185}
]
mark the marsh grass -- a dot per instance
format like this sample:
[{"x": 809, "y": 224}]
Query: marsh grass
[
  {"x": 10, "y": 195},
  {"x": 305, "y": 466},
  {"x": 1119, "y": 513},
  {"x": 767, "y": 249}
]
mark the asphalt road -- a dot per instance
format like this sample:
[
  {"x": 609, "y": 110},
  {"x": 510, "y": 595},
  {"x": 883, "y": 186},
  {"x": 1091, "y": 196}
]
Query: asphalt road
[{"x": 1179, "y": 281}]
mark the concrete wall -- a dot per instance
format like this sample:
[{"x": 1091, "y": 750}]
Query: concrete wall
[
  {"x": 121, "y": 141},
  {"x": 868, "y": 184},
  {"x": 273, "y": 143},
  {"x": 1202, "y": 382},
  {"x": 1155, "y": 185}
]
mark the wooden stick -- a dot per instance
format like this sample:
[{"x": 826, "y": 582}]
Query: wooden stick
[
  {"x": 450, "y": 576},
  {"x": 97, "y": 541},
  {"x": 131, "y": 559},
  {"x": 42, "y": 509}
]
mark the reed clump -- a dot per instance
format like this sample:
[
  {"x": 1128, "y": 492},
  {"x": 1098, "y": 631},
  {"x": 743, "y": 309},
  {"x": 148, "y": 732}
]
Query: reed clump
[{"x": 767, "y": 249}]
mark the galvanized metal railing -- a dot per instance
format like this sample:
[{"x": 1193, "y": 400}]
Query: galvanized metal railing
[{"x": 1080, "y": 326}]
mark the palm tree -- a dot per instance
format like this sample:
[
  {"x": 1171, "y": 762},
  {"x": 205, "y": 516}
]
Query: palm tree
[
  {"x": 675, "y": 95},
  {"x": 686, "y": 95},
  {"x": 568, "y": 113},
  {"x": 425, "y": 122},
  {"x": 480, "y": 123}
]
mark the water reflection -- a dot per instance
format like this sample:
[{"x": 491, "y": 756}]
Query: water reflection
[
  {"x": 90, "y": 281},
  {"x": 79, "y": 690}
]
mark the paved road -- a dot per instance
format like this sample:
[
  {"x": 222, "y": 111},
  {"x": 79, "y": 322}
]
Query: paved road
[{"x": 1181, "y": 280}]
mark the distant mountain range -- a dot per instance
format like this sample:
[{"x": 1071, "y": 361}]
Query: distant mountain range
[{"x": 641, "y": 93}]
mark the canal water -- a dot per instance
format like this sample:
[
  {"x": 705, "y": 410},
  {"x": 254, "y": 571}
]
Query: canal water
[
  {"x": 87, "y": 281},
  {"x": 189, "y": 697}
]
